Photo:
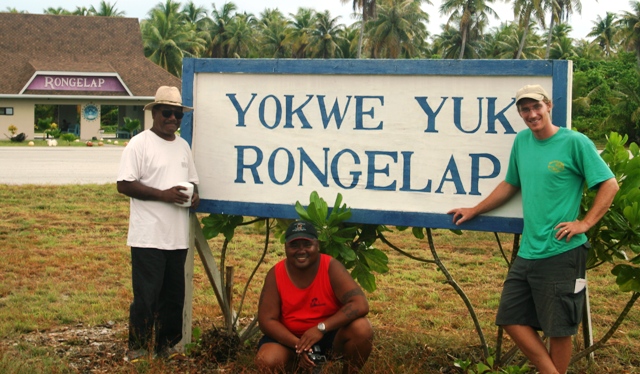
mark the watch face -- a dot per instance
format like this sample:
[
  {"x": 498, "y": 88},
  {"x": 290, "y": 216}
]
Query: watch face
[
  {"x": 90, "y": 112},
  {"x": 321, "y": 326}
]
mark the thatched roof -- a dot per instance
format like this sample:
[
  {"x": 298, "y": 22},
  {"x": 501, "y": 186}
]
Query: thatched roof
[{"x": 85, "y": 44}]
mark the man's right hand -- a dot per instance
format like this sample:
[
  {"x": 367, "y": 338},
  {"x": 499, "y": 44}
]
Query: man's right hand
[
  {"x": 304, "y": 361},
  {"x": 461, "y": 215}
]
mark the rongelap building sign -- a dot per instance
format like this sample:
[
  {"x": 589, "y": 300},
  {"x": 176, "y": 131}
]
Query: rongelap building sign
[
  {"x": 71, "y": 82},
  {"x": 403, "y": 141}
]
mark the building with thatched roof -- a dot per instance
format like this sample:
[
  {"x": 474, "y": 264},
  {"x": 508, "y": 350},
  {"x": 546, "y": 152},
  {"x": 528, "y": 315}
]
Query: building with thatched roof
[{"x": 77, "y": 63}]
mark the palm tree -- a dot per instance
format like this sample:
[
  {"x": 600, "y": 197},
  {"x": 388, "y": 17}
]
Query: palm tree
[
  {"x": 275, "y": 29},
  {"x": 271, "y": 14},
  {"x": 81, "y": 11},
  {"x": 301, "y": 26},
  {"x": 217, "y": 32},
  {"x": 561, "y": 30},
  {"x": 167, "y": 39},
  {"x": 449, "y": 44},
  {"x": 325, "y": 36},
  {"x": 419, "y": 19},
  {"x": 349, "y": 41},
  {"x": 524, "y": 11},
  {"x": 196, "y": 19},
  {"x": 106, "y": 10},
  {"x": 240, "y": 36},
  {"x": 368, "y": 11},
  {"x": 398, "y": 29},
  {"x": 14, "y": 10},
  {"x": 502, "y": 42},
  {"x": 562, "y": 49},
  {"x": 560, "y": 11},
  {"x": 630, "y": 28},
  {"x": 625, "y": 115},
  {"x": 56, "y": 11},
  {"x": 588, "y": 50},
  {"x": 467, "y": 13},
  {"x": 605, "y": 32},
  {"x": 194, "y": 14}
]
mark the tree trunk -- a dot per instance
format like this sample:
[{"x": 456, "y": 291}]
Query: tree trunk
[
  {"x": 464, "y": 42},
  {"x": 549, "y": 37},
  {"x": 361, "y": 35},
  {"x": 460, "y": 292},
  {"x": 524, "y": 35}
]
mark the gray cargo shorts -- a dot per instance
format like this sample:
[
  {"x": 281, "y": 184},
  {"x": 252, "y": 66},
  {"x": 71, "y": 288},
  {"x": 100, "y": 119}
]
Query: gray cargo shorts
[{"x": 547, "y": 294}]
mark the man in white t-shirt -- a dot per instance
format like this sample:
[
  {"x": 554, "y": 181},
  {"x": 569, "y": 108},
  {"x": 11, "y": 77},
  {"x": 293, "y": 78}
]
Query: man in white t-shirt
[{"x": 153, "y": 165}]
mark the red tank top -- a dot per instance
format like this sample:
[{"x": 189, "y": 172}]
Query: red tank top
[{"x": 302, "y": 309}]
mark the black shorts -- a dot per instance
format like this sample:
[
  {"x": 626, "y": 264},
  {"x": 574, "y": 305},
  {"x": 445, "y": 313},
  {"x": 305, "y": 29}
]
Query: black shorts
[
  {"x": 546, "y": 294},
  {"x": 326, "y": 343}
]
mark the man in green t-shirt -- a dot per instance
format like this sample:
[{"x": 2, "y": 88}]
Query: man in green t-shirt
[{"x": 544, "y": 289}]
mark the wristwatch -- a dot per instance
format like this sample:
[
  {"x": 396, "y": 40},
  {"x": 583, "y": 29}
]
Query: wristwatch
[{"x": 322, "y": 328}]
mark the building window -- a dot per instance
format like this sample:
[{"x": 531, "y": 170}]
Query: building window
[{"x": 6, "y": 111}]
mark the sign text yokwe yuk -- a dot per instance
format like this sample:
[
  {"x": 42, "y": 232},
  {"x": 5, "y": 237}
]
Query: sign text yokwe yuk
[{"x": 489, "y": 119}]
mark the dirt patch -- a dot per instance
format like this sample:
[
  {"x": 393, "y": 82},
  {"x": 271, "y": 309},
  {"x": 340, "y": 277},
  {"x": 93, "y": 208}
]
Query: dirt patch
[
  {"x": 101, "y": 349},
  {"x": 86, "y": 349}
]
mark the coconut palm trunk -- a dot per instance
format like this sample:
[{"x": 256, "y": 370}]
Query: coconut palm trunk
[
  {"x": 464, "y": 42},
  {"x": 368, "y": 8},
  {"x": 549, "y": 36},
  {"x": 525, "y": 32},
  {"x": 360, "y": 37}
]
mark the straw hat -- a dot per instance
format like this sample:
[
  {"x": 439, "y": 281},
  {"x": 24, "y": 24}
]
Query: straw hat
[{"x": 168, "y": 96}]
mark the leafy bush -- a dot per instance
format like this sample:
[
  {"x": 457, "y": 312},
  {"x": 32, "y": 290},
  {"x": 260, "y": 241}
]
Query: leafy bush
[
  {"x": 605, "y": 97},
  {"x": 131, "y": 125},
  {"x": 617, "y": 234},
  {"x": 351, "y": 244},
  {"x": 68, "y": 138},
  {"x": 44, "y": 124},
  {"x": 109, "y": 129},
  {"x": 108, "y": 115},
  {"x": 468, "y": 367},
  {"x": 53, "y": 131}
]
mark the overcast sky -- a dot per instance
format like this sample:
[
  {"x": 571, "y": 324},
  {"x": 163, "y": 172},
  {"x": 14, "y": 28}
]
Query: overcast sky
[{"x": 581, "y": 24}]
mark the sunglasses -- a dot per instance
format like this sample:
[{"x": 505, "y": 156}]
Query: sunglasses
[{"x": 166, "y": 113}]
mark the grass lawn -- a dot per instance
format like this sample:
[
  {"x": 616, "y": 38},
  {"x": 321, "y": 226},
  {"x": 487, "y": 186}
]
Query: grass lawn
[
  {"x": 61, "y": 143},
  {"x": 65, "y": 291}
]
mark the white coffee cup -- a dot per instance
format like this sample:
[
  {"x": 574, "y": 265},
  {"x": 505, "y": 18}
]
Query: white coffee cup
[{"x": 188, "y": 191}]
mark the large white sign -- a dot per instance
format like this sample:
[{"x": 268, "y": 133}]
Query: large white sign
[{"x": 402, "y": 141}]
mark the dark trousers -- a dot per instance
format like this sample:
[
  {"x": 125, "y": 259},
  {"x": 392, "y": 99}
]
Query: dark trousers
[{"x": 157, "y": 277}]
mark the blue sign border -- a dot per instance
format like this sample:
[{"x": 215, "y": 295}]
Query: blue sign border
[{"x": 558, "y": 70}]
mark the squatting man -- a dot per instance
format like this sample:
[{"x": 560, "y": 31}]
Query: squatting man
[{"x": 309, "y": 299}]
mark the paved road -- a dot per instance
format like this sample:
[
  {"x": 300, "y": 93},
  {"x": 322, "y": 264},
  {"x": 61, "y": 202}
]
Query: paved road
[{"x": 59, "y": 165}]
